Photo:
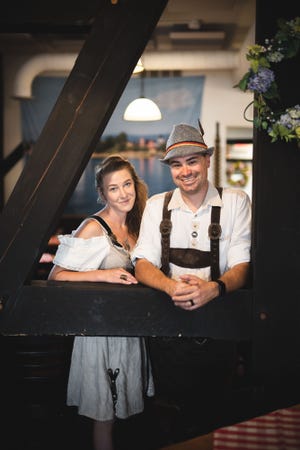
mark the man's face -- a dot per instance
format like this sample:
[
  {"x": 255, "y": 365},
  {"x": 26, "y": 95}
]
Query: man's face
[{"x": 189, "y": 173}]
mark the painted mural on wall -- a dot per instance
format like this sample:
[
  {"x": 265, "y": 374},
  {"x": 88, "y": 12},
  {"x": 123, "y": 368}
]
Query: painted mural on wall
[{"x": 179, "y": 99}]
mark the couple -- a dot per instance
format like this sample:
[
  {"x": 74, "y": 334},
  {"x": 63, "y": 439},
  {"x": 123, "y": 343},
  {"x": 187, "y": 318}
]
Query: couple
[{"x": 109, "y": 376}]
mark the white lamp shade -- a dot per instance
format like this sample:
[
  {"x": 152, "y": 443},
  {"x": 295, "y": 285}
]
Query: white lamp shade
[{"x": 141, "y": 110}]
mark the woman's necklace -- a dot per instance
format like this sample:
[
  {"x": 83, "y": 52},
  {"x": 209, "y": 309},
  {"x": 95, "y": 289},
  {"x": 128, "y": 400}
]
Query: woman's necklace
[
  {"x": 123, "y": 242},
  {"x": 126, "y": 244}
]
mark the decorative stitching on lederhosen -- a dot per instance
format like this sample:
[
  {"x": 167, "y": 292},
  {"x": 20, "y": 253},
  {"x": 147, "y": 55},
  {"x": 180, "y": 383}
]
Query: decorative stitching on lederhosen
[
  {"x": 188, "y": 257},
  {"x": 113, "y": 387}
]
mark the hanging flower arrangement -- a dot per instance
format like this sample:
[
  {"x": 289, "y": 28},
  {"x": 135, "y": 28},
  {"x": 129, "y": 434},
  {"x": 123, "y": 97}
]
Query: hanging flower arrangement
[{"x": 279, "y": 123}]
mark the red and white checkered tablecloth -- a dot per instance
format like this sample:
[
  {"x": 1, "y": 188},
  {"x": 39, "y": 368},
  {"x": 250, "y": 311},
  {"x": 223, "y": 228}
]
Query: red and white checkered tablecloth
[{"x": 279, "y": 430}]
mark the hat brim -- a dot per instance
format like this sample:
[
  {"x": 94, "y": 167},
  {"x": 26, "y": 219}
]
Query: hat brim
[{"x": 186, "y": 151}]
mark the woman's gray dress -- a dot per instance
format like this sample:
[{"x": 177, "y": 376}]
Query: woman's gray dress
[{"x": 90, "y": 387}]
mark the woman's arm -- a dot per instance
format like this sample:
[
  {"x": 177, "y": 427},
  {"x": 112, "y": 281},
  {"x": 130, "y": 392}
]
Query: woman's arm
[
  {"x": 90, "y": 229},
  {"x": 98, "y": 275}
]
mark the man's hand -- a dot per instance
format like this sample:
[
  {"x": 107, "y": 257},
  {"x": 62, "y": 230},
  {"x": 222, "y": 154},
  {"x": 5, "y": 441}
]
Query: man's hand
[{"x": 192, "y": 292}]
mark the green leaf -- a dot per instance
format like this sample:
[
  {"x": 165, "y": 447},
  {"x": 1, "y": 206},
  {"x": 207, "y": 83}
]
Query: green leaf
[
  {"x": 272, "y": 92},
  {"x": 266, "y": 105},
  {"x": 263, "y": 62},
  {"x": 254, "y": 65},
  {"x": 293, "y": 48},
  {"x": 257, "y": 122},
  {"x": 243, "y": 83}
]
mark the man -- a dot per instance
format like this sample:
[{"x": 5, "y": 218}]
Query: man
[
  {"x": 189, "y": 159},
  {"x": 207, "y": 255}
]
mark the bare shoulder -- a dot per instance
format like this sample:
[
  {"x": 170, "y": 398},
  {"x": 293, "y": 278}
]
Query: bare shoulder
[{"x": 89, "y": 228}]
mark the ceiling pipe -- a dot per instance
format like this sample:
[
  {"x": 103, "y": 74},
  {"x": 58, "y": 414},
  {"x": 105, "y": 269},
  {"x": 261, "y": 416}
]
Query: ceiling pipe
[
  {"x": 41, "y": 64},
  {"x": 190, "y": 60},
  {"x": 63, "y": 64}
]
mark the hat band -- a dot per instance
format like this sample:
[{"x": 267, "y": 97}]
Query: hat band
[{"x": 186, "y": 143}]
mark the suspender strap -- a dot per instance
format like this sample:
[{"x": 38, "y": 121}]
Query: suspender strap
[
  {"x": 109, "y": 232},
  {"x": 214, "y": 232},
  {"x": 165, "y": 230},
  {"x": 103, "y": 223}
]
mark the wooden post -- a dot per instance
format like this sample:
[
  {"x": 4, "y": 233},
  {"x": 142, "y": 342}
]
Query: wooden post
[{"x": 217, "y": 155}]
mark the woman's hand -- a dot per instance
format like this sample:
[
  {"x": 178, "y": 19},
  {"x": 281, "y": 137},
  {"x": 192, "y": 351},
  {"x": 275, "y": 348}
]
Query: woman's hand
[{"x": 117, "y": 275}]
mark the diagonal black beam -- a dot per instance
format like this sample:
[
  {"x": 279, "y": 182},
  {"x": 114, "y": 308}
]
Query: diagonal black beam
[{"x": 90, "y": 94}]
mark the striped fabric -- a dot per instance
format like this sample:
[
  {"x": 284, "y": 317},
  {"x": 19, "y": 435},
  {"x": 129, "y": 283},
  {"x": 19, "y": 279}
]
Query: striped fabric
[{"x": 279, "y": 430}]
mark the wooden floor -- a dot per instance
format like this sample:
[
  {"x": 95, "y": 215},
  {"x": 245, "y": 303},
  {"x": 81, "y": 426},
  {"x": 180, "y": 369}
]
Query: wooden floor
[{"x": 200, "y": 443}]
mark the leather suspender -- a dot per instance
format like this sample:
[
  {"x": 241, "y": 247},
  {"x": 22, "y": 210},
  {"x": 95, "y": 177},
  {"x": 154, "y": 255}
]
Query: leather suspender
[
  {"x": 214, "y": 232},
  {"x": 165, "y": 230}
]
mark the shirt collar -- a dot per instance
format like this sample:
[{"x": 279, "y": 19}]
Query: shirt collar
[{"x": 212, "y": 198}]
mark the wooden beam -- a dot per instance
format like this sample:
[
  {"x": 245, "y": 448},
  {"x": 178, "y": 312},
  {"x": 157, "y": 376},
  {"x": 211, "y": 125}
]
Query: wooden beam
[
  {"x": 1, "y": 131},
  {"x": 65, "y": 308},
  {"x": 87, "y": 100},
  {"x": 276, "y": 222}
]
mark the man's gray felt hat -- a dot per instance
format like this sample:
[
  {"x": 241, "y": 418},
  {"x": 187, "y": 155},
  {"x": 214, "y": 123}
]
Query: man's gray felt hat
[{"x": 185, "y": 140}]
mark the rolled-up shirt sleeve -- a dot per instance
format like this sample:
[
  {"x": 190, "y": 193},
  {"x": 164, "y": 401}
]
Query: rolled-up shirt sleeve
[
  {"x": 239, "y": 250},
  {"x": 148, "y": 245},
  {"x": 80, "y": 254}
]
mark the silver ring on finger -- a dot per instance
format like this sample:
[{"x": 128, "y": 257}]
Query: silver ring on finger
[{"x": 123, "y": 277}]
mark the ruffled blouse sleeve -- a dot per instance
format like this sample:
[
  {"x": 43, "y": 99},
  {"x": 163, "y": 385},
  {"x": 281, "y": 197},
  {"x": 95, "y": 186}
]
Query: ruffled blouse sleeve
[{"x": 80, "y": 254}]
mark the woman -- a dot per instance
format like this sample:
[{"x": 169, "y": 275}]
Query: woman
[{"x": 109, "y": 376}]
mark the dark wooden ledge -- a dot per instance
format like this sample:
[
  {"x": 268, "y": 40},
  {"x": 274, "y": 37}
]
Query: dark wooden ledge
[{"x": 66, "y": 308}]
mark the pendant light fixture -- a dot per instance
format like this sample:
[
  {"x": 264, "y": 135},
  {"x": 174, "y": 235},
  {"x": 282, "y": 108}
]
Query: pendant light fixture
[{"x": 142, "y": 109}]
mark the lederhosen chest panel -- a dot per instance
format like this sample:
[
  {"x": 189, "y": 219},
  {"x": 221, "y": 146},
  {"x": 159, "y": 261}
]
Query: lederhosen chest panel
[{"x": 188, "y": 257}]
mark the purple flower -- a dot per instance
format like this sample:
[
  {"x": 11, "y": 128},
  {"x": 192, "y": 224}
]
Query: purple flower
[
  {"x": 261, "y": 81},
  {"x": 291, "y": 118}
]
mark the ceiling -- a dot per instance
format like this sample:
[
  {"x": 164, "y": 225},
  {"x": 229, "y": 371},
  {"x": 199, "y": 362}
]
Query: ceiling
[
  {"x": 203, "y": 25},
  {"x": 185, "y": 25}
]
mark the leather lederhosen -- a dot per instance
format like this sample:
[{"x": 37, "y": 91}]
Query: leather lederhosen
[
  {"x": 187, "y": 257},
  {"x": 190, "y": 371}
]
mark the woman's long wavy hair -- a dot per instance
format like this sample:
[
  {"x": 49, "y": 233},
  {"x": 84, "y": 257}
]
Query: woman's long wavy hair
[{"x": 113, "y": 164}]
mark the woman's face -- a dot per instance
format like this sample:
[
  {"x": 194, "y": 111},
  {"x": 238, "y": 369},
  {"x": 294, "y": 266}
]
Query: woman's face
[{"x": 119, "y": 190}]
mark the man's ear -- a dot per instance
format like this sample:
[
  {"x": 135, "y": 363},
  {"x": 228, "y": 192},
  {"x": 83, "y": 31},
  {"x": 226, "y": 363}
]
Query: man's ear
[{"x": 208, "y": 160}]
